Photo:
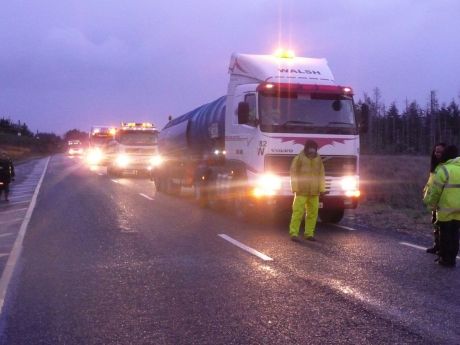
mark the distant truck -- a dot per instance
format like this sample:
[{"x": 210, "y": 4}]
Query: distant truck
[
  {"x": 134, "y": 149},
  {"x": 75, "y": 148},
  {"x": 99, "y": 137},
  {"x": 237, "y": 150}
]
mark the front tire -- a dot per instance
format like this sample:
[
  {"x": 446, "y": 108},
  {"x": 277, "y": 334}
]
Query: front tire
[
  {"x": 113, "y": 172},
  {"x": 200, "y": 194}
]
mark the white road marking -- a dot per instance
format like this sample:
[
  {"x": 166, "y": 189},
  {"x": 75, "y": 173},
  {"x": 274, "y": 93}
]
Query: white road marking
[
  {"x": 15, "y": 253},
  {"x": 146, "y": 196},
  {"x": 6, "y": 234},
  {"x": 27, "y": 185},
  {"x": 417, "y": 247},
  {"x": 100, "y": 174},
  {"x": 24, "y": 193},
  {"x": 246, "y": 248},
  {"x": 116, "y": 181},
  {"x": 342, "y": 227},
  {"x": 15, "y": 203},
  {"x": 11, "y": 221},
  {"x": 12, "y": 211}
]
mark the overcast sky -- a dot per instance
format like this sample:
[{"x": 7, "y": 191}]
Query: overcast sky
[{"x": 72, "y": 63}]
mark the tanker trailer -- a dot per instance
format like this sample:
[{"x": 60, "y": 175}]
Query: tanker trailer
[{"x": 237, "y": 150}]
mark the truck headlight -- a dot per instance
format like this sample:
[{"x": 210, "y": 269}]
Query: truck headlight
[
  {"x": 94, "y": 156},
  {"x": 156, "y": 161},
  {"x": 350, "y": 186},
  {"x": 267, "y": 185},
  {"x": 122, "y": 160}
]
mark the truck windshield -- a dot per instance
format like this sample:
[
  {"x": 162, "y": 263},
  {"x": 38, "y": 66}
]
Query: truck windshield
[
  {"x": 137, "y": 138},
  {"x": 306, "y": 113},
  {"x": 99, "y": 140}
]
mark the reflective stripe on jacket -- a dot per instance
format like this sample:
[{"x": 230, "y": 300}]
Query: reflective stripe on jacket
[
  {"x": 428, "y": 184},
  {"x": 444, "y": 192},
  {"x": 307, "y": 175}
]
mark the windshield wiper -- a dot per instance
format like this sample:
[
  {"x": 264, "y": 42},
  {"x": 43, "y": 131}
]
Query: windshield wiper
[
  {"x": 296, "y": 122},
  {"x": 339, "y": 123}
]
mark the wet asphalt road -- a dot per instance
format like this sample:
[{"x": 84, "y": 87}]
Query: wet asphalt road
[{"x": 103, "y": 264}]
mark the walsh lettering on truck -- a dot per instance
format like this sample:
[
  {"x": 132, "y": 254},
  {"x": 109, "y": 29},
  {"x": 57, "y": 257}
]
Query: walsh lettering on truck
[{"x": 237, "y": 150}]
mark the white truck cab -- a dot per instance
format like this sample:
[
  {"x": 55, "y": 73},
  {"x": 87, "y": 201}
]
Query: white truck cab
[
  {"x": 275, "y": 104},
  {"x": 134, "y": 149}
]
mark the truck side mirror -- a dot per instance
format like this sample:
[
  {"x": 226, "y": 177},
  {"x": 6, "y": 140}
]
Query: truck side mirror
[
  {"x": 243, "y": 113},
  {"x": 364, "y": 119}
]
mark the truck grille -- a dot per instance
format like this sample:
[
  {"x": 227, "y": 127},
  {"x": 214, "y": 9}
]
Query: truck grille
[
  {"x": 333, "y": 165},
  {"x": 140, "y": 151}
]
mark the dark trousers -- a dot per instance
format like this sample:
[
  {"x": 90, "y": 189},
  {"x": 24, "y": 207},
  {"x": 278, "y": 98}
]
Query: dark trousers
[
  {"x": 448, "y": 240},
  {"x": 4, "y": 188},
  {"x": 435, "y": 231}
]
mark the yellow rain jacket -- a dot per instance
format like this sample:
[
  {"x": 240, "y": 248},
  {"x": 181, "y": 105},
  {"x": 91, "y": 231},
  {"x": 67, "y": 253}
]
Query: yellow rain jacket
[
  {"x": 307, "y": 175},
  {"x": 444, "y": 192}
]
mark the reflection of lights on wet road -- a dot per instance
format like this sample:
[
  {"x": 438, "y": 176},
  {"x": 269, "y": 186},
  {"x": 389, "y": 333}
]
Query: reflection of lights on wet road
[{"x": 267, "y": 269}]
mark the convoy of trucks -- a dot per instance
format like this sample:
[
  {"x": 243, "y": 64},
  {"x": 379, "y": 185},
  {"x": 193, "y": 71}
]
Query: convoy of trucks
[{"x": 236, "y": 151}]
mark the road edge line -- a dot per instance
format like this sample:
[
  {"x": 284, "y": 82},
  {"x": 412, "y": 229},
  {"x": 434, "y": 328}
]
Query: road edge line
[{"x": 16, "y": 251}]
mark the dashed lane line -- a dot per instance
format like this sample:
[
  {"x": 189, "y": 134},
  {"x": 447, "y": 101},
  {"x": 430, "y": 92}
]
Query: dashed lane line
[
  {"x": 246, "y": 248},
  {"x": 407, "y": 244},
  {"x": 116, "y": 181},
  {"x": 15, "y": 253},
  {"x": 146, "y": 196},
  {"x": 342, "y": 227}
]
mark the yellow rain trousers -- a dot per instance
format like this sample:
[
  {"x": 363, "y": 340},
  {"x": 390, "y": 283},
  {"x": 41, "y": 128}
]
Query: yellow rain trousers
[
  {"x": 307, "y": 182},
  {"x": 301, "y": 204}
]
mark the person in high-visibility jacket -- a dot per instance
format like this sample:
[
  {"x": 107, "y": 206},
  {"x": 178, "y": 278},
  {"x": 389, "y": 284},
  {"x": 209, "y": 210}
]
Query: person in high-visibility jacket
[
  {"x": 443, "y": 195},
  {"x": 436, "y": 156},
  {"x": 307, "y": 182}
]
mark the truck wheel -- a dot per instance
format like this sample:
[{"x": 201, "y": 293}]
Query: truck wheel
[
  {"x": 331, "y": 216},
  {"x": 172, "y": 188},
  {"x": 112, "y": 172},
  {"x": 159, "y": 184},
  {"x": 241, "y": 206},
  {"x": 215, "y": 200},
  {"x": 200, "y": 194}
]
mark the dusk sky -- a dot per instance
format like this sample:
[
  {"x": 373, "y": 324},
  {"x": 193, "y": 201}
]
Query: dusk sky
[{"x": 73, "y": 63}]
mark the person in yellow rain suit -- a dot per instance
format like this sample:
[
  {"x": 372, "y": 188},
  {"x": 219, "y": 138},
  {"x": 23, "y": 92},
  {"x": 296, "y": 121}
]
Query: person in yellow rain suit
[
  {"x": 307, "y": 182},
  {"x": 436, "y": 156},
  {"x": 443, "y": 195}
]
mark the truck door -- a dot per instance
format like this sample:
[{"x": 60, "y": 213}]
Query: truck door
[{"x": 242, "y": 143}]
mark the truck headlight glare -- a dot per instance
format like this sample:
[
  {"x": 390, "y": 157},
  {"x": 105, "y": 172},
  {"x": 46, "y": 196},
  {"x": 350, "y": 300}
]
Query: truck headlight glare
[
  {"x": 156, "y": 161},
  {"x": 95, "y": 156},
  {"x": 123, "y": 161},
  {"x": 267, "y": 185},
  {"x": 350, "y": 186}
]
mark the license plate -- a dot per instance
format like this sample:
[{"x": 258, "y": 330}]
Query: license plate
[{"x": 320, "y": 205}]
